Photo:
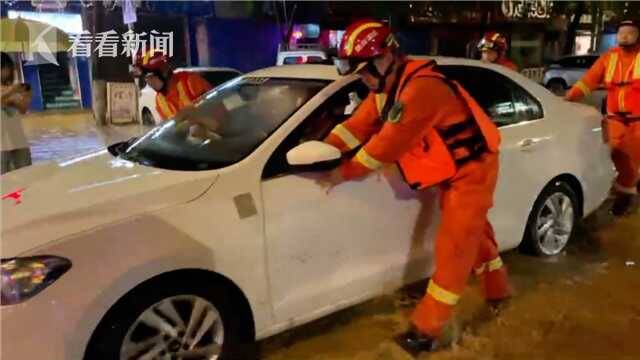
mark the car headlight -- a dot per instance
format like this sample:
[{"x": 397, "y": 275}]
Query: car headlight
[{"x": 25, "y": 277}]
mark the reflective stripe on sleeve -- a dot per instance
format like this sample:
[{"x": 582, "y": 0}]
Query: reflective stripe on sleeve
[
  {"x": 346, "y": 136},
  {"x": 367, "y": 160}
]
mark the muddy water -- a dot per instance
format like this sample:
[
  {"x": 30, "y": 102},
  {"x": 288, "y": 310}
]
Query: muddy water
[{"x": 582, "y": 304}]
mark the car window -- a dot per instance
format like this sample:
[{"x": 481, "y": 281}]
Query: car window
[
  {"x": 588, "y": 61},
  {"x": 216, "y": 78},
  {"x": 225, "y": 126},
  {"x": 505, "y": 101},
  {"x": 318, "y": 125},
  {"x": 581, "y": 62},
  {"x": 568, "y": 62}
]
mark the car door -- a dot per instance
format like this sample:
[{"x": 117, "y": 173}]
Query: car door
[
  {"x": 525, "y": 147},
  {"x": 330, "y": 250}
]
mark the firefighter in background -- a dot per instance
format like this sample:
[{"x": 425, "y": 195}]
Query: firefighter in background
[
  {"x": 493, "y": 48},
  {"x": 438, "y": 135},
  {"x": 619, "y": 70},
  {"x": 174, "y": 91}
]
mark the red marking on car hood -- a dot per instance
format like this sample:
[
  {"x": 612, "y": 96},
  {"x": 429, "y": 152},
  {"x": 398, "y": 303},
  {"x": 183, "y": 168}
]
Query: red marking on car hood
[{"x": 15, "y": 195}]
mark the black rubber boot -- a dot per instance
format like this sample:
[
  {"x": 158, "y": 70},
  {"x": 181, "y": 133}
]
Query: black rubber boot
[
  {"x": 498, "y": 306},
  {"x": 622, "y": 204},
  {"x": 413, "y": 342}
]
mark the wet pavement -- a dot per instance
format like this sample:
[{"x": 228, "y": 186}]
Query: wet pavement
[
  {"x": 582, "y": 304},
  {"x": 54, "y": 136}
]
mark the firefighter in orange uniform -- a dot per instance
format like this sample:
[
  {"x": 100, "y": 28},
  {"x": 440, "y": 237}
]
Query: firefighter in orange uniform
[
  {"x": 438, "y": 135},
  {"x": 493, "y": 48},
  {"x": 174, "y": 91},
  {"x": 619, "y": 70}
]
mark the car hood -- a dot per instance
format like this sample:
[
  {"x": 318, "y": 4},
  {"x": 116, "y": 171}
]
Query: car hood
[{"x": 46, "y": 202}]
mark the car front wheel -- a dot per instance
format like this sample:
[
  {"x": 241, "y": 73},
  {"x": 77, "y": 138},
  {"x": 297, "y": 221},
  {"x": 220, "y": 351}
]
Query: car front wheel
[
  {"x": 172, "y": 321},
  {"x": 552, "y": 220}
]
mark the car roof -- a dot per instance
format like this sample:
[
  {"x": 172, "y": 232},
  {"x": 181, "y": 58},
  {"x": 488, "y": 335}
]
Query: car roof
[
  {"x": 206, "y": 69},
  {"x": 328, "y": 72},
  {"x": 302, "y": 52},
  {"x": 299, "y": 71}
]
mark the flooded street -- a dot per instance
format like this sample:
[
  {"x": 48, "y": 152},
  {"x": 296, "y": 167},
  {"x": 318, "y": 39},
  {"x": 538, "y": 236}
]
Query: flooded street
[
  {"x": 61, "y": 135},
  {"x": 582, "y": 304}
]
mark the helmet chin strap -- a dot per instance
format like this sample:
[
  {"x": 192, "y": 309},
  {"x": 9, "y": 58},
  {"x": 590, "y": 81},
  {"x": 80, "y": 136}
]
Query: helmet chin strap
[
  {"x": 382, "y": 78},
  {"x": 165, "y": 80}
]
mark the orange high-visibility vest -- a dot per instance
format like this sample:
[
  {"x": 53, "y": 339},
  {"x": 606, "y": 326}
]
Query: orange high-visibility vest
[
  {"x": 619, "y": 71},
  {"x": 623, "y": 85},
  {"x": 504, "y": 61},
  {"x": 442, "y": 150},
  {"x": 184, "y": 94}
]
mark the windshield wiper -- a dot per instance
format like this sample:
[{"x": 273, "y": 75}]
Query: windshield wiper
[{"x": 119, "y": 148}]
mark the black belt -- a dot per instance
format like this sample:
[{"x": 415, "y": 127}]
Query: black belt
[
  {"x": 624, "y": 117},
  {"x": 475, "y": 144}
]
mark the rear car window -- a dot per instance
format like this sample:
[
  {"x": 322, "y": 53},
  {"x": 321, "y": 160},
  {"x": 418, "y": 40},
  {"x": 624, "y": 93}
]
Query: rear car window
[{"x": 582, "y": 62}]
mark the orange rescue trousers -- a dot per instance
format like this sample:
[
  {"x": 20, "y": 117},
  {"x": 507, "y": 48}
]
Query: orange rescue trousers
[
  {"x": 623, "y": 138},
  {"x": 465, "y": 242}
]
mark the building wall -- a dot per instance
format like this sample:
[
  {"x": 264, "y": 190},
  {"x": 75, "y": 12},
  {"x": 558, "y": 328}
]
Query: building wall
[{"x": 243, "y": 44}]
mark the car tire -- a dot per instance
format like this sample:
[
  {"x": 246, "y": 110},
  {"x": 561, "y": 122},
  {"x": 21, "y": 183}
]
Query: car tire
[
  {"x": 552, "y": 222},
  {"x": 127, "y": 324},
  {"x": 147, "y": 117},
  {"x": 557, "y": 86}
]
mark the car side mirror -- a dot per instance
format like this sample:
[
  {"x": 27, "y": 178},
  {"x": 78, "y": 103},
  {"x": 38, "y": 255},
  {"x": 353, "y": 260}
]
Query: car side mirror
[{"x": 314, "y": 156}]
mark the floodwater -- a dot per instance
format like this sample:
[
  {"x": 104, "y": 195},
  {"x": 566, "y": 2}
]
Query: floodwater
[{"x": 54, "y": 136}]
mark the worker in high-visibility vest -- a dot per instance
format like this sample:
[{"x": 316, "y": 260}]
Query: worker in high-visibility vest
[
  {"x": 619, "y": 70},
  {"x": 493, "y": 48},
  {"x": 438, "y": 135},
  {"x": 174, "y": 91}
]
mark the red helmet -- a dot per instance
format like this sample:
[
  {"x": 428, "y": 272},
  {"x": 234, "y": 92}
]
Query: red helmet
[
  {"x": 493, "y": 41},
  {"x": 151, "y": 61},
  {"x": 361, "y": 42}
]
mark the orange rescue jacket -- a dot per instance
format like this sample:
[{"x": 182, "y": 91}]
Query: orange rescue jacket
[
  {"x": 504, "y": 61},
  {"x": 183, "y": 90},
  {"x": 619, "y": 71},
  {"x": 430, "y": 127}
]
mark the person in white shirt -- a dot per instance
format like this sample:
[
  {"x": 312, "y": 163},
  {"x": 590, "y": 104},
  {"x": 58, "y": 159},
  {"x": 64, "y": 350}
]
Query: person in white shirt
[{"x": 15, "y": 102}]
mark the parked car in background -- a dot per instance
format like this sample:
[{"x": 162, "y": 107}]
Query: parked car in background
[
  {"x": 185, "y": 246},
  {"x": 147, "y": 101},
  {"x": 302, "y": 56},
  {"x": 563, "y": 73}
]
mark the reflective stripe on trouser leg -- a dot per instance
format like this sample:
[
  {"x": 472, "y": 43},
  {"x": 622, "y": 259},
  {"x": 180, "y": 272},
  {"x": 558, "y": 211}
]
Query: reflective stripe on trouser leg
[
  {"x": 489, "y": 267},
  {"x": 465, "y": 202},
  {"x": 455, "y": 253}
]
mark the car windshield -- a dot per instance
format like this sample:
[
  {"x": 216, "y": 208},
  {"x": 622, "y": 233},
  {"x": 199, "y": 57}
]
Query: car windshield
[{"x": 223, "y": 127}]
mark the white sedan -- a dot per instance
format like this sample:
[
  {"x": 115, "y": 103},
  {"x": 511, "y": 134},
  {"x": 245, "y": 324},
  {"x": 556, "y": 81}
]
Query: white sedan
[{"x": 202, "y": 236}]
